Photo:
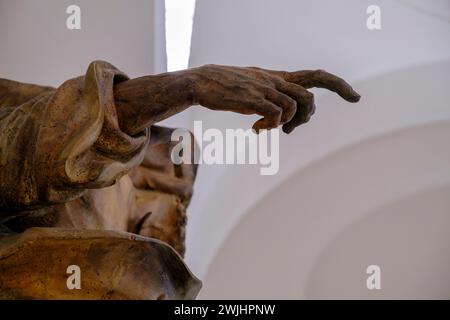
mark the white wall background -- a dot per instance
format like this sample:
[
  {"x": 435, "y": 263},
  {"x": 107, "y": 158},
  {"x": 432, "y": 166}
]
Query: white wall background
[
  {"x": 37, "y": 47},
  {"x": 359, "y": 183},
  {"x": 260, "y": 237}
]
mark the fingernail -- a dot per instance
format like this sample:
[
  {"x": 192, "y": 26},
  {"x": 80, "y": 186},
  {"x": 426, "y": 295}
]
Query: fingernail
[{"x": 356, "y": 96}]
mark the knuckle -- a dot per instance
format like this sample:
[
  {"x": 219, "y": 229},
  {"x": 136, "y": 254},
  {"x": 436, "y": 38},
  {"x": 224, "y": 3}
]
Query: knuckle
[
  {"x": 309, "y": 97},
  {"x": 289, "y": 115},
  {"x": 274, "y": 111},
  {"x": 267, "y": 91},
  {"x": 319, "y": 72},
  {"x": 286, "y": 101},
  {"x": 305, "y": 117},
  {"x": 268, "y": 79},
  {"x": 291, "y": 106}
]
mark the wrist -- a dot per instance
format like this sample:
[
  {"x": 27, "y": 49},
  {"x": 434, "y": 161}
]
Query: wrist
[{"x": 192, "y": 78}]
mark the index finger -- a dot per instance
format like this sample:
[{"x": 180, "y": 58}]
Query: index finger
[{"x": 322, "y": 79}]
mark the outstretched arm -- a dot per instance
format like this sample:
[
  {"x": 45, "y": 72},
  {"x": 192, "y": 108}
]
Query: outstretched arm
[
  {"x": 93, "y": 129},
  {"x": 281, "y": 98}
]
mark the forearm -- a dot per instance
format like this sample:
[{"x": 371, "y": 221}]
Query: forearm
[{"x": 144, "y": 101}]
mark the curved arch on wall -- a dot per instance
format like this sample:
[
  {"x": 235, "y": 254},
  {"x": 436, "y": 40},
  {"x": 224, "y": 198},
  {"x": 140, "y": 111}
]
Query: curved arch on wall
[
  {"x": 407, "y": 238},
  {"x": 277, "y": 245},
  {"x": 390, "y": 102}
]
